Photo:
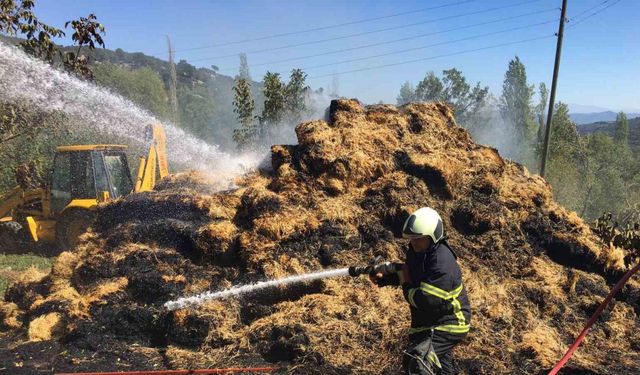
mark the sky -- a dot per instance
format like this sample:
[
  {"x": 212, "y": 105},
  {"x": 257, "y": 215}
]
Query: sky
[{"x": 600, "y": 54}]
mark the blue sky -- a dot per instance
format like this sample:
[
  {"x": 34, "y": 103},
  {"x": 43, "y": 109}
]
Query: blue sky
[{"x": 599, "y": 61}]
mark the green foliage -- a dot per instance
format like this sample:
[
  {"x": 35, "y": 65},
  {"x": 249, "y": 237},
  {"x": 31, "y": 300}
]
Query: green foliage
[
  {"x": 274, "y": 103},
  {"x": 624, "y": 236},
  {"x": 295, "y": 93},
  {"x": 19, "y": 18},
  {"x": 20, "y": 120},
  {"x": 541, "y": 113},
  {"x": 605, "y": 185},
  {"x": 142, "y": 86},
  {"x": 453, "y": 89},
  {"x": 622, "y": 130},
  {"x": 244, "y": 107},
  {"x": 516, "y": 108},
  {"x": 86, "y": 32},
  {"x": 567, "y": 160},
  {"x": 592, "y": 174},
  {"x": 407, "y": 94},
  {"x": 197, "y": 110}
]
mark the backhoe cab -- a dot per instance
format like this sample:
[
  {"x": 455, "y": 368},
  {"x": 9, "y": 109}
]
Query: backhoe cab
[{"x": 82, "y": 177}]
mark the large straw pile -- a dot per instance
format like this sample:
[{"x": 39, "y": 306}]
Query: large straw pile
[{"x": 533, "y": 270}]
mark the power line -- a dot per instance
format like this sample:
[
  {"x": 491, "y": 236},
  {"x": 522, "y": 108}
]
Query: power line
[
  {"x": 434, "y": 57},
  {"x": 587, "y": 10},
  {"x": 368, "y": 32},
  {"x": 398, "y": 40},
  {"x": 574, "y": 24},
  {"x": 431, "y": 45},
  {"x": 325, "y": 27}
]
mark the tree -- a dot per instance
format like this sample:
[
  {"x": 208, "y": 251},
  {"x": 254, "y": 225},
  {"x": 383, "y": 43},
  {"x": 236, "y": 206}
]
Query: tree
[
  {"x": 622, "y": 130},
  {"x": 516, "y": 109},
  {"x": 244, "y": 106},
  {"x": 453, "y": 89},
  {"x": 274, "y": 103},
  {"x": 567, "y": 160},
  {"x": 184, "y": 70},
  {"x": 295, "y": 93},
  {"x": 605, "y": 187},
  {"x": 407, "y": 94},
  {"x": 20, "y": 120},
  {"x": 18, "y": 17},
  {"x": 87, "y": 32},
  {"x": 244, "y": 68},
  {"x": 142, "y": 86},
  {"x": 540, "y": 111}
]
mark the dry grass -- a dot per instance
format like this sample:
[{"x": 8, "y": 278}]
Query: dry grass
[
  {"x": 45, "y": 327},
  {"x": 534, "y": 271}
]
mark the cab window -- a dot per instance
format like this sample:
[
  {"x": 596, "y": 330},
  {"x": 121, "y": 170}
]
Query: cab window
[
  {"x": 60, "y": 182},
  {"x": 102, "y": 181},
  {"x": 118, "y": 170}
]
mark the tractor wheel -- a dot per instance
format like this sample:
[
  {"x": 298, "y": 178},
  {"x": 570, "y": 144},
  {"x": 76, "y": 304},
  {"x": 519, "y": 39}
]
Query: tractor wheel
[
  {"x": 71, "y": 225},
  {"x": 11, "y": 237}
]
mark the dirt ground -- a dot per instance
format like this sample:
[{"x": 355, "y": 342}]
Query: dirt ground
[{"x": 534, "y": 271}]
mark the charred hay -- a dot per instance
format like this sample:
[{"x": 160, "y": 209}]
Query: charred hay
[{"x": 534, "y": 271}]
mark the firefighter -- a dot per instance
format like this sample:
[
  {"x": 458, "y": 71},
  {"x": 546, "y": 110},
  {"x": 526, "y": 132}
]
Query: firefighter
[{"x": 432, "y": 286}]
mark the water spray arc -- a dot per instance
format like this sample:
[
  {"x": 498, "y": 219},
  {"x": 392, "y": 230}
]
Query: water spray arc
[
  {"x": 93, "y": 107},
  {"x": 354, "y": 271},
  {"x": 199, "y": 299}
]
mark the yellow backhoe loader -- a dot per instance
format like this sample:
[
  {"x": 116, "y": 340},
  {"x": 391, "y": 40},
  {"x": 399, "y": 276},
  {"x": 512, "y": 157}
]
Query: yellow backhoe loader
[{"x": 82, "y": 177}]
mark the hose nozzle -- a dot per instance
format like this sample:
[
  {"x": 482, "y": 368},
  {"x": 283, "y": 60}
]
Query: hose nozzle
[
  {"x": 356, "y": 271},
  {"x": 386, "y": 268}
]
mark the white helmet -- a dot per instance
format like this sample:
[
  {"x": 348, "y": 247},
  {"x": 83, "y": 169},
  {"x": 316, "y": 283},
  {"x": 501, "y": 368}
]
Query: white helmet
[{"x": 422, "y": 223}]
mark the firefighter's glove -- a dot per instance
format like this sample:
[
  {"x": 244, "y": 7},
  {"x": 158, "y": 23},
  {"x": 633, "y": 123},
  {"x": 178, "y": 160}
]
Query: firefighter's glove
[
  {"x": 386, "y": 274},
  {"x": 404, "y": 275}
]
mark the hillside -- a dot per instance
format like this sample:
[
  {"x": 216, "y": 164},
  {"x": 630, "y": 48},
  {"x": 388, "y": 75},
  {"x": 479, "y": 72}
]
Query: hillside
[
  {"x": 534, "y": 271},
  {"x": 608, "y": 127},
  {"x": 587, "y": 118}
]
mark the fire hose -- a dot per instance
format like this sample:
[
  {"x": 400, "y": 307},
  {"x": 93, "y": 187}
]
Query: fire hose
[
  {"x": 263, "y": 370},
  {"x": 593, "y": 319},
  {"x": 385, "y": 269}
]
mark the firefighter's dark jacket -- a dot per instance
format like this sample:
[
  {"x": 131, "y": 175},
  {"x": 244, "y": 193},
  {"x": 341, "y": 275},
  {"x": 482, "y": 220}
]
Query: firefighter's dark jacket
[{"x": 437, "y": 297}]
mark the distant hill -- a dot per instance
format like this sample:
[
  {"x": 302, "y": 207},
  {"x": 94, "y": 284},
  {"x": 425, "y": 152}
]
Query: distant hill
[
  {"x": 608, "y": 127},
  {"x": 588, "y": 118}
]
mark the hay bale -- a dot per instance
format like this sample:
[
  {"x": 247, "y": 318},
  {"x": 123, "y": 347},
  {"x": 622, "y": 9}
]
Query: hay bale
[
  {"x": 45, "y": 327},
  {"x": 534, "y": 271},
  {"x": 10, "y": 316}
]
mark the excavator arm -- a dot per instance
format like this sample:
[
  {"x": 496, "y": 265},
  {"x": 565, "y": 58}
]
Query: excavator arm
[
  {"x": 154, "y": 165},
  {"x": 17, "y": 198}
]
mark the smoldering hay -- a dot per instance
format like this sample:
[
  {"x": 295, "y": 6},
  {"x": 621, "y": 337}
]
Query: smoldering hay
[{"x": 534, "y": 271}]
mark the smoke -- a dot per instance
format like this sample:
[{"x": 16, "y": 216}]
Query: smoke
[
  {"x": 284, "y": 133},
  {"x": 488, "y": 127},
  {"x": 316, "y": 104},
  {"x": 23, "y": 78}
]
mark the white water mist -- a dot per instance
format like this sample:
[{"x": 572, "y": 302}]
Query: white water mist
[
  {"x": 45, "y": 88},
  {"x": 199, "y": 299}
]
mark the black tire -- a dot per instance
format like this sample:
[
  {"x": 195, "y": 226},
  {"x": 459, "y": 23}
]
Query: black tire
[
  {"x": 11, "y": 237},
  {"x": 71, "y": 225}
]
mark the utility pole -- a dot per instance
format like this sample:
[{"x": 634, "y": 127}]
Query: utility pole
[
  {"x": 173, "y": 97},
  {"x": 556, "y": 68}
]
